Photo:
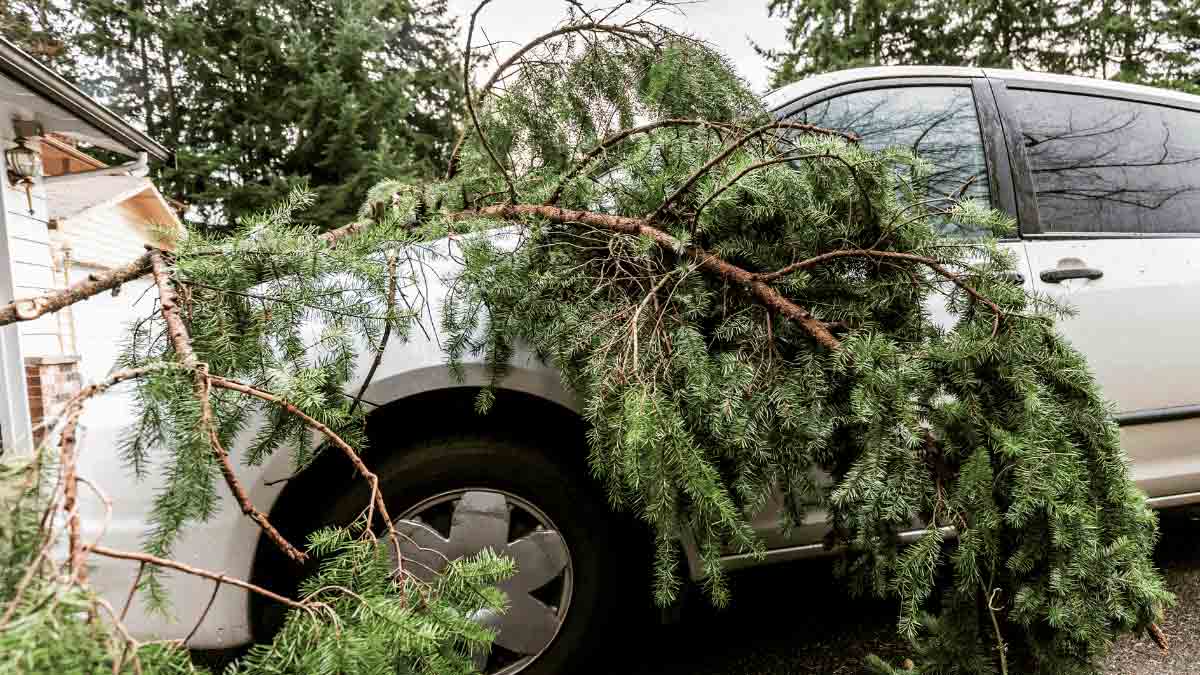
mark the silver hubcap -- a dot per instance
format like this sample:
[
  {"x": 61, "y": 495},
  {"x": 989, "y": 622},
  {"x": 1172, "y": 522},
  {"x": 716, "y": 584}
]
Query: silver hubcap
[{"x": 465, "y": 522}]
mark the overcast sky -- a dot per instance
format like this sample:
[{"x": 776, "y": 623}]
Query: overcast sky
[{"x": 729, "y": 25}]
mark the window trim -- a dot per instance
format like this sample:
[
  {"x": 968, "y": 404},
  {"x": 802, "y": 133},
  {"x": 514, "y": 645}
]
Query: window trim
[
  {"x": 1026, "y": 192},
  {"x": 988, "y": 115}
]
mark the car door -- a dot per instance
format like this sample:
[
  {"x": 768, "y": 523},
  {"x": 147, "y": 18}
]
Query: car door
[
  {"x": 951, "y": 121},
  {"x": 1115, "y": 233}
]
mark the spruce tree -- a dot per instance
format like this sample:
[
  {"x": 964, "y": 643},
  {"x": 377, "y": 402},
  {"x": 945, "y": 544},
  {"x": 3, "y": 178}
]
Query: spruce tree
[
  {"x": 257, "y": 98},
  {"x": 1137, "y": 41},
  {"x": 44, "y": 29}
]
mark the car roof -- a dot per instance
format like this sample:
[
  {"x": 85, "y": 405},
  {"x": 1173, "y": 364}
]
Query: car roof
[{"x": 1014, "y": 78}]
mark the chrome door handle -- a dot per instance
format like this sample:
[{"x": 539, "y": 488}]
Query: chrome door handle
[{"x": 1056, "y": 275}]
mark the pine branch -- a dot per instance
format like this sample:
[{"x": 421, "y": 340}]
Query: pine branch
[
  {"x": 729, "y": 150},
  {"x": 178, "y": 333},
  {"x": 710, "y": 262},
  {"x": 590, "y": 26},
  {"x": 931, "y": 263},
  {"x": 28, "y": 309},
  {"x": 617, "y": 138},
  {"x": 377, "y": 501}
]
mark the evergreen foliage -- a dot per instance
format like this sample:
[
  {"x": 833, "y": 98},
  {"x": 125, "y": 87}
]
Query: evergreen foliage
[
  {"x": 703, "y": 399},
  {"x": 42, "y": 28},
  {"x": 257, "y": 97},
  {"x": 741, "y": 307},
  {"x": 276, "y": 305},
  {"x": 360, "y": 617},
  {"x": 1146, "y": 42}
]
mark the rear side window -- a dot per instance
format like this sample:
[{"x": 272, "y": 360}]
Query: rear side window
[
  {"x": 938, "y": 123},
  {"x": 1110, "y": 166}
]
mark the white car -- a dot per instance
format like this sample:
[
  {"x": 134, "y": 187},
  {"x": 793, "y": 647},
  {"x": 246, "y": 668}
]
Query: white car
[{"x": 1104, "y": 181}]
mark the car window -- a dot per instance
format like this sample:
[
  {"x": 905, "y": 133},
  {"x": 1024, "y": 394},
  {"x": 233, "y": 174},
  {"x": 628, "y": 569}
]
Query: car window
[
  {"x": 1110, "y": 166},
  {"x": 937, "y": 122}
]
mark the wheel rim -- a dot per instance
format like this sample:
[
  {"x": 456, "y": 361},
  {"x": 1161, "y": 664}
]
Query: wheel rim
[{"x": 464, "y": 522}]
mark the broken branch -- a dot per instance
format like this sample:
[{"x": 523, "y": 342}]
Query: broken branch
[
  {"x": 178, "y": 333},
  {"x": 762, "y": 291},
  {"x": 28, "y": 309}
]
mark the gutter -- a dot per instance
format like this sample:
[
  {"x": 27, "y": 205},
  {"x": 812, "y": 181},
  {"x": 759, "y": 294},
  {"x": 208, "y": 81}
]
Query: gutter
[{"x": 24, "y": 69}]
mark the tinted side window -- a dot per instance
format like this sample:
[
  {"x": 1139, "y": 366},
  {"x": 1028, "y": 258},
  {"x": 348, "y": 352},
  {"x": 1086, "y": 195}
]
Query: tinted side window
[
  {"x": 938, "y": 123},
  {"x": 1105, "y": 165}
]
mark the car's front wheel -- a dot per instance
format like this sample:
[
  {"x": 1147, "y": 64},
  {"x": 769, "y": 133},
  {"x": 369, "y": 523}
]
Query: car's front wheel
[{"x": 458, "y": 496}]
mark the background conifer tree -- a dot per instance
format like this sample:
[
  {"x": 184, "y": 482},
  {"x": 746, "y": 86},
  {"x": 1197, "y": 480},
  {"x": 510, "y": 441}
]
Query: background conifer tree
[
  {"x": 1136, "y": 41},
  {"x": 257, "y": 97}
]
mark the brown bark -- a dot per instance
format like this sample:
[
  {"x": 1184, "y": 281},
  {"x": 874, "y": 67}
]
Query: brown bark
[
  {"x": 70, "y": 495},
  {"x": 28, "y": 309},
  {"x": 336, "y": 440},
  {"x": 180, "y": 340},
  {"x": 761, "y": 290},
  {"x": 931, "y": 263}
]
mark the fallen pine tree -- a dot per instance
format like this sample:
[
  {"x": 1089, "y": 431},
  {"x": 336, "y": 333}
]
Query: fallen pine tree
[{"x": 738, "y": 302}]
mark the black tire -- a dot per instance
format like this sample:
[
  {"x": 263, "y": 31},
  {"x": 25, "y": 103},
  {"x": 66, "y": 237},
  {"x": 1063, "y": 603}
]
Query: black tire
[{"x": 554, "y": 481}]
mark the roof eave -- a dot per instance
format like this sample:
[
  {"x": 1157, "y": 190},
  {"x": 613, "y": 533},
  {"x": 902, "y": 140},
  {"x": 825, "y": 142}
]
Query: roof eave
[{"x": 23, "y": 68}]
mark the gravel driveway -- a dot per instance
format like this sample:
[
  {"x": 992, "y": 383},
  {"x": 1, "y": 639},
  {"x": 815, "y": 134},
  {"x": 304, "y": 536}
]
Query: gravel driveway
[{"x": 794, "y": 619}]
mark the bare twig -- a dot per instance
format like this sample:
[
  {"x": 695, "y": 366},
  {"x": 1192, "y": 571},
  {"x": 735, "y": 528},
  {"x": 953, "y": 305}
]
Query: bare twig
[
  {"x": 589, "y": 26},
  {"x": 512, "y": 188},
  {"x": 133, "y": 589},
  {"x": 148, "y": 559},
  {"x": 1001, "y": 648},
  {"x": 70, "y": 494},
  {"x": 203, "y": 615},
  {"x": 637, "y": 313},
  {"x": 387, "y": 332}
]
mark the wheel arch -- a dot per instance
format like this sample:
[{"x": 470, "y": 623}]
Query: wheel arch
[{"x": 425, "y": 412}]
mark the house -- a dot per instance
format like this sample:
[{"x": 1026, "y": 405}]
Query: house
[{"x": 63, "y": 215}]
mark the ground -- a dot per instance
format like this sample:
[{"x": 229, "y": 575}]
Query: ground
[{"x": 794, "y": 619}]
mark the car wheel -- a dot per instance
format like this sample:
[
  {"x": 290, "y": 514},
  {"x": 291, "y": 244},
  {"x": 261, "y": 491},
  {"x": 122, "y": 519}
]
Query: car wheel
[{"x": 456, "y": 497}]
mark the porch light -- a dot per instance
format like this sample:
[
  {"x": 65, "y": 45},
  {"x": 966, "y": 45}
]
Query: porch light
[{"x": 22, "y": 162}]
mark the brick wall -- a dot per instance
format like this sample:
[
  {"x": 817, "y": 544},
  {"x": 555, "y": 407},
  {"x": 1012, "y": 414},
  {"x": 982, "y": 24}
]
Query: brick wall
[{"x": 52, "y": 381}]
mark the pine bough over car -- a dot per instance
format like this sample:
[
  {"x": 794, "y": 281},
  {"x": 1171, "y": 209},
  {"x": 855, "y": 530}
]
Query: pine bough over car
[{"x": 676, "y": 321}]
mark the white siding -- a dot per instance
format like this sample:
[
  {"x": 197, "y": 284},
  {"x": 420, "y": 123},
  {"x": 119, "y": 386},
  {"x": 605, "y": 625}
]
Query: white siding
[
  {"x": 32, "y": 264},
  {"x": 108, "y": 237}
]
